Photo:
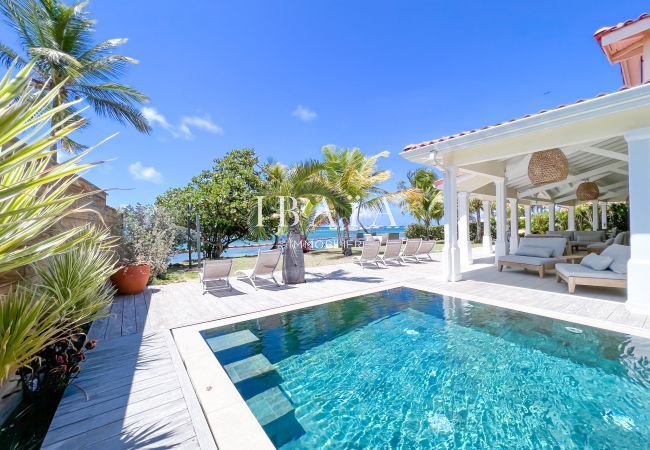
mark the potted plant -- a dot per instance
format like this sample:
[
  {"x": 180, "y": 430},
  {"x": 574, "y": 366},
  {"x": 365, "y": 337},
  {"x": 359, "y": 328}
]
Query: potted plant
[{"x": 147, "y": 238}]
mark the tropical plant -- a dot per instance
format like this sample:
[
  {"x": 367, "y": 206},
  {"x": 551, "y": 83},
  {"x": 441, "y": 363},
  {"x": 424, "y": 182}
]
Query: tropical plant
[
  {"x": 476, "y": 207},
  {"x": 420, "y": 197},
  {"x": 34, "y": 197},
  {"x": 34, "y": 194},
  {"x": 148, "y": 236},
  {"x": 60, "y": 38},
  {"x": 28, "y": 323},
  {"x": 301, "y": 182},
  {"x": 224, "y": 198},
  {"x": 618, "y": 216},
  {"x": 77, "y": 280},
  {"x": 358, "y": 178}
]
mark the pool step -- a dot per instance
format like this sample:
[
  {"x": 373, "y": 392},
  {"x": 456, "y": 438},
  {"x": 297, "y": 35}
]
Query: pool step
[
  {"x": 270, "y": 405},
  {"x": 230, "y": 340},
  {"x": 248, "y": 368}
]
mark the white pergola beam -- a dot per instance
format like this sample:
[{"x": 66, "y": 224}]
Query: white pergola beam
[
  {"x": 573, "y": 178},
  {"x": 605, "y": 153}
]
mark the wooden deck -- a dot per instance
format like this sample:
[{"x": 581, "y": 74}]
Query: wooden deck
[{"x": 136, "y": 392}]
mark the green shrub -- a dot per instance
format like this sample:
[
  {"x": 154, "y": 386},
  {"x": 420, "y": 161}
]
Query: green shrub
[{"x": 149, "y": 235}]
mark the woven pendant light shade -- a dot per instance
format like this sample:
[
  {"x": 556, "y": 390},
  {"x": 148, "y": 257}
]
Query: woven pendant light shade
[
  {"x": 587, "y": 191},
  {"x": 548, "y": 166}
]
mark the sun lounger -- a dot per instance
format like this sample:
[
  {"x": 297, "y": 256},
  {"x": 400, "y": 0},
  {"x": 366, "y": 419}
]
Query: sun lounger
[
  {"x": 538, "y": 254},
  {"x": 411, "y": 247},
  {"x": 369, "y": 254},
  {"x": 425, "y": 249},
  {"x": 613, "y": 276},
  {"x": 391, "y": 252},
  {"x": 213, "y": 272},
  {"x": 267, "y": 262}
]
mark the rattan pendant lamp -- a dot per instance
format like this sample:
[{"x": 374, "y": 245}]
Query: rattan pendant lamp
[
  {"x": 548, "y": 166},
  {"x": 587, "y": 190}
]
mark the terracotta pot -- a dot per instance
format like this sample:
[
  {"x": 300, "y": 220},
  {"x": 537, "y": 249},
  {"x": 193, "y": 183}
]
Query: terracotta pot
[{"x": 131, "y": 279}]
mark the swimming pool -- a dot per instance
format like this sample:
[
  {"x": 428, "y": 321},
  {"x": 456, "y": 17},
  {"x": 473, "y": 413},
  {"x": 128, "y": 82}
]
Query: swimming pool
[{"x": 407, "y": 368}]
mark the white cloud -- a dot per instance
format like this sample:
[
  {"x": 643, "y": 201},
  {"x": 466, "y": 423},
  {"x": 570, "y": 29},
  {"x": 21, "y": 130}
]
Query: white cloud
[
  {"x": 184, "y": 129},
  {"x": 140, "y": 172},
  {"x": 303, "y": 113}
]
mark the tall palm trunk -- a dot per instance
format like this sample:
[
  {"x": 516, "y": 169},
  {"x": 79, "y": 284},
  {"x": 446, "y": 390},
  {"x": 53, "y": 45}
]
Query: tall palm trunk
[
  {"x": 479, "y": 230},
  {"x": 347, "y": 251},
  {"x": 276, "y": 241},
  {"x": 293, "y": 266}
]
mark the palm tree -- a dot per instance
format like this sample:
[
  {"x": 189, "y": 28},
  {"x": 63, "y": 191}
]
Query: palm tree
[
  {"x": 59, "y": 38},
  {"x": 301, "y": 182},
  {"x": 475, "y": 206},
  {"x": 421, "y": 198},
  {"x": 358, "y": 178}
]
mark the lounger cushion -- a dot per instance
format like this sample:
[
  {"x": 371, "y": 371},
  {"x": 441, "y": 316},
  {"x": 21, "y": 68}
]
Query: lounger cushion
[
  {"x": 578, "y": 270},
  {"x": 620, "y": 254},
  {"x": 597, "y": 262},
  {"x": 532, "y": 260},
  {"x": 529, "y": 250}
]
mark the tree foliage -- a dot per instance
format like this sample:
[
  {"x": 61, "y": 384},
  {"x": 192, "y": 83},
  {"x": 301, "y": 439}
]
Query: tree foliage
[
  {"x": 223, "y": 196},
  {"x": 420, "y": 197}
]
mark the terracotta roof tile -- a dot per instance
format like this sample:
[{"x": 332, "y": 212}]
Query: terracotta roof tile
[
  {"x": 606, "y": 30},
  {"x": 543, "y": 111}
]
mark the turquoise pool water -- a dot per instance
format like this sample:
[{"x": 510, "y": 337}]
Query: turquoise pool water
[{"x": 410, "y": 369}]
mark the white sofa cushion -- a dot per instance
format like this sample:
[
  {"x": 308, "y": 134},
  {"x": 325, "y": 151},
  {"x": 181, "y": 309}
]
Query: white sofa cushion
[
  {"x": 558, "y": 244},
  {"x": 597, "y": 262},
  {"x": 578, "y": 270},
  {"x": 529, "y": 250},
  {"x": 620, "y": 254}
]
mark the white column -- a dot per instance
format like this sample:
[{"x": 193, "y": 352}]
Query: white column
[
  {"x": 551, "y": 217},
  {"x": 527, "y": 219},
  {"x": 594, "y": 215},
  {"x": 514, "y": 225},
  {"x": 450, "y": 251},
  {"x": 500, "y": 249},
  {"x": 487, "y": 236},
  {"x": 638, "y": 267},
  {"x": 603, "y": 215},
  {"x": 464, "y": 243},
  {"x": 571, "y": 219}
]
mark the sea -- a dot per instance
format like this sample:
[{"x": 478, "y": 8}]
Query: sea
[{"x": 320, "y": 238}]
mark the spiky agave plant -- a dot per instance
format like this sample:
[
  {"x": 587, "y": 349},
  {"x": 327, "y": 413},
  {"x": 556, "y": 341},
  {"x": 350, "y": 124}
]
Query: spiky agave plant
[{"x": 78, "y": 279}]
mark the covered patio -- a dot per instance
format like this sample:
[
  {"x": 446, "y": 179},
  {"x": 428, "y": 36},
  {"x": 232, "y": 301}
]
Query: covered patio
[{"x": 606, "y": 141}]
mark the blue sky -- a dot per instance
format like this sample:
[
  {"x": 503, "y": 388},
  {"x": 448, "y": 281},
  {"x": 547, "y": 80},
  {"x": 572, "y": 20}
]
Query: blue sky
[{"x": 287, "y": 77}]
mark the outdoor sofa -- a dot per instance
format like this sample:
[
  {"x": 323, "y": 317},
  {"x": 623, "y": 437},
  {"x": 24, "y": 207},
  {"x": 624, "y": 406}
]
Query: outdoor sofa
[
  {"x": 609, "y": 269},
  {"x": 622, "y": 238},
  {"x": 536, "y": 253}
]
